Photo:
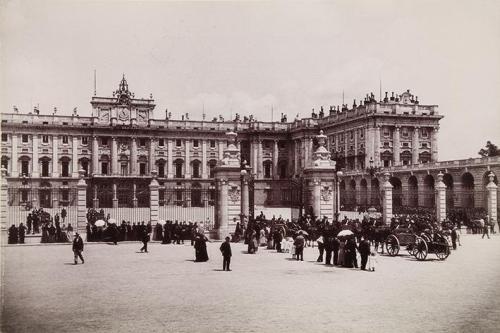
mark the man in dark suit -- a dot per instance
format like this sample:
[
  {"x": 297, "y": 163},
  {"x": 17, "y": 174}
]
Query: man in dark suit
[
  {"x": 145, "y": 240},
  {"x": 225, "y": 249},
  {"x": 336, "y": 247},
  {"x": 364, "y": 251},
  {"x": 78, "y": 248}
]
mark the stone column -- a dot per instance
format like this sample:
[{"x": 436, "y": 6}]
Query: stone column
[
  {"x": 151, "y": 155},
  {"x": 154, "y": 199},
  {"x": 115, "y": 198},
  {"x": 134, "y": 195},
  {"x": 440, "y": 189},
  {"x": 356, "y": 149},
  {"x": 315, "y": 187},
  {"x": 4, "y": 193},
  {"x": 95, "y": 156},
  {"x": 376, "y": 147},
  {"x": 81, "y": 211},
  {"x": 170, "y": 159},
  {"x": 387, "y": 199},
  {"x": 74, "y": 157},
  {"x": 296, "y": 157},
  {"x": 222, "y": 227},
  {"x": 187, "y": 159},
  {"x": 55, "y": 159},
  {"x": 133, "y": 156},
  {"x": 260, "y": 174},
  {"x": 492, "y": 202},
  {"x": 255, "y": 161},
  {"x": 35, "y": 172},
  {"x": 244, "y": 200},
  {"x": 434, "y": 144},
  {"x": 221, "y": 149},
  {"x": 396, "y": 146},
  {"x": 275, "y": 160},
  {"x": 114, "y": 156},
  {"x": 204, "y": 168},
  {"x": 415, "y": 145},
  {"x": 346, "y": 148}
]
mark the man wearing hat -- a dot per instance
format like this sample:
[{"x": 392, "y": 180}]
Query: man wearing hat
[{"x": 78, "y": 248}]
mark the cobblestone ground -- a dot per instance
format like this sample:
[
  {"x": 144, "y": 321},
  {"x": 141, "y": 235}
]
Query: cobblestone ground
[{"x": 120, "y": 290}]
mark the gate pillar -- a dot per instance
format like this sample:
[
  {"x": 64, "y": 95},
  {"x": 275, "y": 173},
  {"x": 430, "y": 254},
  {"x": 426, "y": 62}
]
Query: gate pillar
[
  {"x": 491, "y": 189},
  {"x": 115, "y": 198},
  {"x": 227, "y": 174},
  {"x": 320, "y": 182},
  {"x": 387, "y": 199},
  {"x": 244, "y": 200},
  {"x": 4, "y": 188},
  {"x": 154, "y": 199},
  {"x": 440, "y": 198},
  {"x": 81, "y": 208}
]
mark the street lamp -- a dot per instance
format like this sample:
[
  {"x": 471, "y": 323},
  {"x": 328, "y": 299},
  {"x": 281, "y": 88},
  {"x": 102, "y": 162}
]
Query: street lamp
[
  {"x": 244, "y": 193},
  {"x": 372, "y": 169},
  {"x": 339, "y": 175}
]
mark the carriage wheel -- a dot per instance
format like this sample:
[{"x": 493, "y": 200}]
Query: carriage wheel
[
  {"x": 421, "y": 249},
  {"x": 425, "y": 237},
  {"x": 443, "y": 249},
  {"x": 411, "y": 248},
  {"x": 392, "y": 245}
]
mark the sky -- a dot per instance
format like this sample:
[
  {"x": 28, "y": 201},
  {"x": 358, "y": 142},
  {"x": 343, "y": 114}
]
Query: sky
[{"x": 254, "y": 57}]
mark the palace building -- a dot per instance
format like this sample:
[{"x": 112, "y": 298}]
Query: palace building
[{"x": 121, "y": 145}]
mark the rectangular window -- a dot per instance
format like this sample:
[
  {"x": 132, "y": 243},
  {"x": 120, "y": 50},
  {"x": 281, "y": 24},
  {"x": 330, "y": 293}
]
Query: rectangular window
[
  {"x": 142, "y": 142},
  {"x": 45, "y": 139},
  {"x": 25, "y": 167},
  {"x": 104, "y": 168},
  {"x": 142, "y": 169},
  {"x": 65, "y": 139},
  {"x": 124, "y": 169},
  {"x": 25, "y": 138},
  {"x": 195, "y": 143},
  {"x": 212, "y": 143},
  {"x": 85, "y": 140},
  {"x": 386, "y": 132},
  {"x": 425, "y": 134},
  {"x": 104, "y": 141},
  {"x": 161, "y": 142},
  {"x": 405, "y": 132},
  {"x": 65, "y": 169},
  {"x": 4, "y": 137},
  {"x": 178, "y": 143},
  {"x": 267, "y": 144}
]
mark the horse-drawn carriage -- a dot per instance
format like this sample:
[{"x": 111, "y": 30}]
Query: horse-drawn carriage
[
  {"x": 399, "y": 238},
  {"x": 436, "y": 243}
]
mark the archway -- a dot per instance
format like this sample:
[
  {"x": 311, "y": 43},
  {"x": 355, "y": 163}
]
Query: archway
[
  {"x": 448, "y": 181},
  {"x": 428, "y": 193},
  {"x": 412, "y": 191},
  {"x": 397, "y": 192},
  {"x": 467, "y": 190},
  {"x": 363, "y": 192}
]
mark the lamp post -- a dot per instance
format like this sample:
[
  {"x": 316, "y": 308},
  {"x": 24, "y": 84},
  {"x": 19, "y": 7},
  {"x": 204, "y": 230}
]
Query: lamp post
[
  {"x": 339, "y": 175},
  {"x": 372, "y": 169},
  {"x": 244, "y": 194}
]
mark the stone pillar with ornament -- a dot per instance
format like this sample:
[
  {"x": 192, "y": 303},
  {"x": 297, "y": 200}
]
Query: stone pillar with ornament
[
  {"x": 227, "y": 175},
  {"x": 154, "y": 198},
  {"x": 492, "y": 203},
  {"x": 440, "y": 189},
  {"x": 387, "y": 199},
  {"x": 320, "y": 176},
  {"x": 81, "y": 210}
]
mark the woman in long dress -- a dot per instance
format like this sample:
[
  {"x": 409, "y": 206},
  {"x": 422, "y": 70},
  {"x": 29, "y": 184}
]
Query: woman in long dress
[
  {"x": 200, "y": 248},
  {"x": 341, "y": 253}
]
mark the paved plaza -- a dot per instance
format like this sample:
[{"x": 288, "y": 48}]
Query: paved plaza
[{"x": 121, "y": 290}]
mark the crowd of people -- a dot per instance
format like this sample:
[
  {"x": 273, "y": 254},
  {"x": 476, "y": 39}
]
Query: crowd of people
[{"x": 53, "y": 229}]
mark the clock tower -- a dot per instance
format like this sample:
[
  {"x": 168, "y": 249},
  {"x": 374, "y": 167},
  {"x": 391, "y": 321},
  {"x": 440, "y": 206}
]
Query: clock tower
[{"x": 123, "y": 109}]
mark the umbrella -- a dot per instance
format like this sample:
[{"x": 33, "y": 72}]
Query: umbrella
[
  {"x": 161, "y": 222},
  {"x": 305, "y": 233},
  {"x": 100, "y": 223},
  {"x": 345, "y": 233},
  {"x": 111, "y": 221}
]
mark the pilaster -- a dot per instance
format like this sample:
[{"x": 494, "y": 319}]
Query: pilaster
[
  {"x": 35, "y": 173},
  {"x": 81, "y": 213},
  {"x": 154, "y": 199},
  {"x": 55, "y": 157},
  {"x": 440, "y": 189},
  {"x": 387, "y": 199}
]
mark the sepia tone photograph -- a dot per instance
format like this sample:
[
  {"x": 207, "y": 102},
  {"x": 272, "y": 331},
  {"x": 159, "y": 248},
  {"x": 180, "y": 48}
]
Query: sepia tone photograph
[{"x": 249, "y": 166}]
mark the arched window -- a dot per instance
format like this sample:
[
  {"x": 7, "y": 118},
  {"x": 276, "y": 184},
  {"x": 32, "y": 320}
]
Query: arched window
[
  {"x": 211, "y": 167},
  {"x": 196, "y": 169},
  {"x": 161, "y": 167},
  {"x": 178, "y": 168},
  {"x": 45, "y": 161},
  {"x": 64, "y": 166},
  {"x": 267, "y": 169}
]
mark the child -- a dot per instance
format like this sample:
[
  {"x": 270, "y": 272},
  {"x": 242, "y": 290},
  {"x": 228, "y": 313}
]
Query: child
[
  {"x": 225, "y": 249},
  {"x": 372, "y": 261}
]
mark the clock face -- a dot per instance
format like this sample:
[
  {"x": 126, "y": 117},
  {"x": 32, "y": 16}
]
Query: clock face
[
  {"x": 123, "y": 114},
  {"x": 104, "y": 115},
  {"x": 142, "y": 116}
]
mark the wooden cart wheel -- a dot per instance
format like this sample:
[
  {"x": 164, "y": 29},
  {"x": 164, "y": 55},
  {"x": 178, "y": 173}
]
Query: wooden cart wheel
[
  {"x": 421, "y": 249},
  {"x": 443, "y": 249},
  {"x": 425, "y": 237},
  {"x": 392, "y": 245},
  {"x": 411, "y": 248}
]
